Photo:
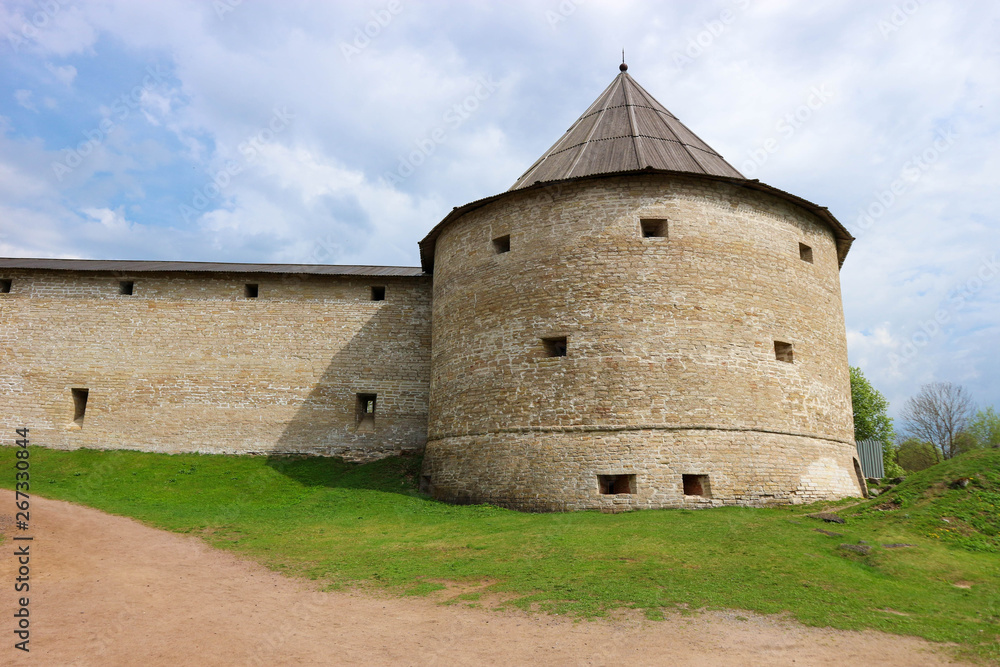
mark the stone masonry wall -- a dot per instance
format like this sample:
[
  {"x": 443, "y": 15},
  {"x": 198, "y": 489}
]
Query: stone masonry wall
[
  {"x": 665, "y": 335},
  {"x": 189, "y": 363},
  {"x": 558, "y": 471}
]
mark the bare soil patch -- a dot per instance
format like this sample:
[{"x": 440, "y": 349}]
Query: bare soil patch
[{"x": 107, "y": 590}]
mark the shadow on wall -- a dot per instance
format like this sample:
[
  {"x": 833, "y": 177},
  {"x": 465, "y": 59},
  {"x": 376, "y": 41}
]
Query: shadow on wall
[
  {"x": 371, "y": 400},
  {"x": 395, "y": 474}
]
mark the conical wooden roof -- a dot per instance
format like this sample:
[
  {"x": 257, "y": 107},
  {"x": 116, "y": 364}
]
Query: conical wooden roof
[{"x": 625, "y": 129}]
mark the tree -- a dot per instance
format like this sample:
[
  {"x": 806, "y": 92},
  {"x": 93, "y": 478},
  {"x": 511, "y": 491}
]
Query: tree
[
  {"x": 871, "y": 419},
  {"x": 965, "y": 442},
  {"x": 914, "y": 455},
  {"x": 985, "y": 428},
  {"x": 937, "y": 414}
]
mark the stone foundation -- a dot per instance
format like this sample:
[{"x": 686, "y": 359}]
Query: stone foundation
[{"x": 558, "y": 471}]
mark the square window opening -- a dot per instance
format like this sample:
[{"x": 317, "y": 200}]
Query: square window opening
[
  {"x": 555, "y": 347},
  {"x": 653, "y": 228},
  {"x": 5, "y": 284},
  {"x": 696, "y": 485},
  {"x": 126, "y": 287},
  {"x": 251, "y": 290},
  {"x": 366, "y": 412},
  {"x": 79, "y": 404},
  {"x": 378, "y": 293},
  {"x": 783, "y": 352},
  {"x": 610, "y": 485},
  {"x": 501, "y": 244},
  {"x": 805, "y": 253}
]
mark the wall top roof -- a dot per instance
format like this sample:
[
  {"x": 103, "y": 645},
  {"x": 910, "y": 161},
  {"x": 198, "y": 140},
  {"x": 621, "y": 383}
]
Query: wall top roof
[
  {"x": 128, "y": 266},
  {"x": 626, "y": 129}
]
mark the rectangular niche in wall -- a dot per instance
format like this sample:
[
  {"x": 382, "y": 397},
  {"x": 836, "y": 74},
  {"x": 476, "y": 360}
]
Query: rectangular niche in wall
[
  {"x": 366, "y": 412},
  {"x": 653, "y": 228},
  {"x": 501, "y": 244},
  {"x": 5, "y": 284},
  {"x": 783, "y": 351},
  {"x": 79, "y": 405},
  {"x": 610, "y": 485},
  {"x": 696, "y": 485},
  {"x": 555, "y": 347},
  {"x": 126, "y": 287},
  {"x": 426, "y": 485},
  {"x": 805, "y": 253},
  {"x": 251, "y": 290},
  {"x": 378, "y": 293}
]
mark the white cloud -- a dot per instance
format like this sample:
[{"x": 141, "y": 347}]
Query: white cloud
[
  {"x": 315, "y": 189},
  {"x": 55, "y": 28},
  {"x": 64, "y": 74},
  {"x": 111, "y": 220},
  {"x": 24, "y": 98}
]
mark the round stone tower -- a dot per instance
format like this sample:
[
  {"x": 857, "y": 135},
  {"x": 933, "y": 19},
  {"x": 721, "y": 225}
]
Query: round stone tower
[{"x": 635, "y": 325}]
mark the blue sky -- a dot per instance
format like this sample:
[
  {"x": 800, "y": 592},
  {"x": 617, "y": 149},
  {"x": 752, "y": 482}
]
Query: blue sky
[{"x": 325, "y": 132}]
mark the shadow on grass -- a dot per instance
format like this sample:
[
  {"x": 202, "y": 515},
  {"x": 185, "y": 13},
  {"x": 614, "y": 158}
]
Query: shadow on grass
[{"x": 394, "y": 474}]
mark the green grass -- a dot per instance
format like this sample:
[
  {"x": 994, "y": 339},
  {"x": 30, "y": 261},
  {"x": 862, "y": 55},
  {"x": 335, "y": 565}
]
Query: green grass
[
  {"x": 925, "y": 503},
  {"x": 366, "y": 525}
]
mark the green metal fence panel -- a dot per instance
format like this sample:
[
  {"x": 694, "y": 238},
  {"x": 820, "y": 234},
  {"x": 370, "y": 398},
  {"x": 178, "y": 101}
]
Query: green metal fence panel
[{"x": 870, "y": 455}]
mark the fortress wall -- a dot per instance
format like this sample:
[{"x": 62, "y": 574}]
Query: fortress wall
[
  {"x": 558, "y": 471},
  {"x": 189, "y": 363},
  {"x": 663, "y": 333}
]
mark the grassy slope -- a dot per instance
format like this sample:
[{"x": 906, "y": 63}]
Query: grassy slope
[
  {"x": 366, "y": 525},
  {"x": 925, "y": 503}
]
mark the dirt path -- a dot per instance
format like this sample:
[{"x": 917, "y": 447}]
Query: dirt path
[{"x": 106, "y": 590}]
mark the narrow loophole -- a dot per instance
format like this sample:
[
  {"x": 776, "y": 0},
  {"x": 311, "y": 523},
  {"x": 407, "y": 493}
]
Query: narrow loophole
[
  {"x": 366, "y": 404},
  {"x": 79, "y": 405},
  {"x": 426, "y": 485}
]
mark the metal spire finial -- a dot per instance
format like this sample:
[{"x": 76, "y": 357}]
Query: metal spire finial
[{"x": 623, "y": 67}]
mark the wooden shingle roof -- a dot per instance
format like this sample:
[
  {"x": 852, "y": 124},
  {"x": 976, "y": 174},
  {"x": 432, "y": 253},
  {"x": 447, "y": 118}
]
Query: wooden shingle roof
[{"x": 624, "y": 130}]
